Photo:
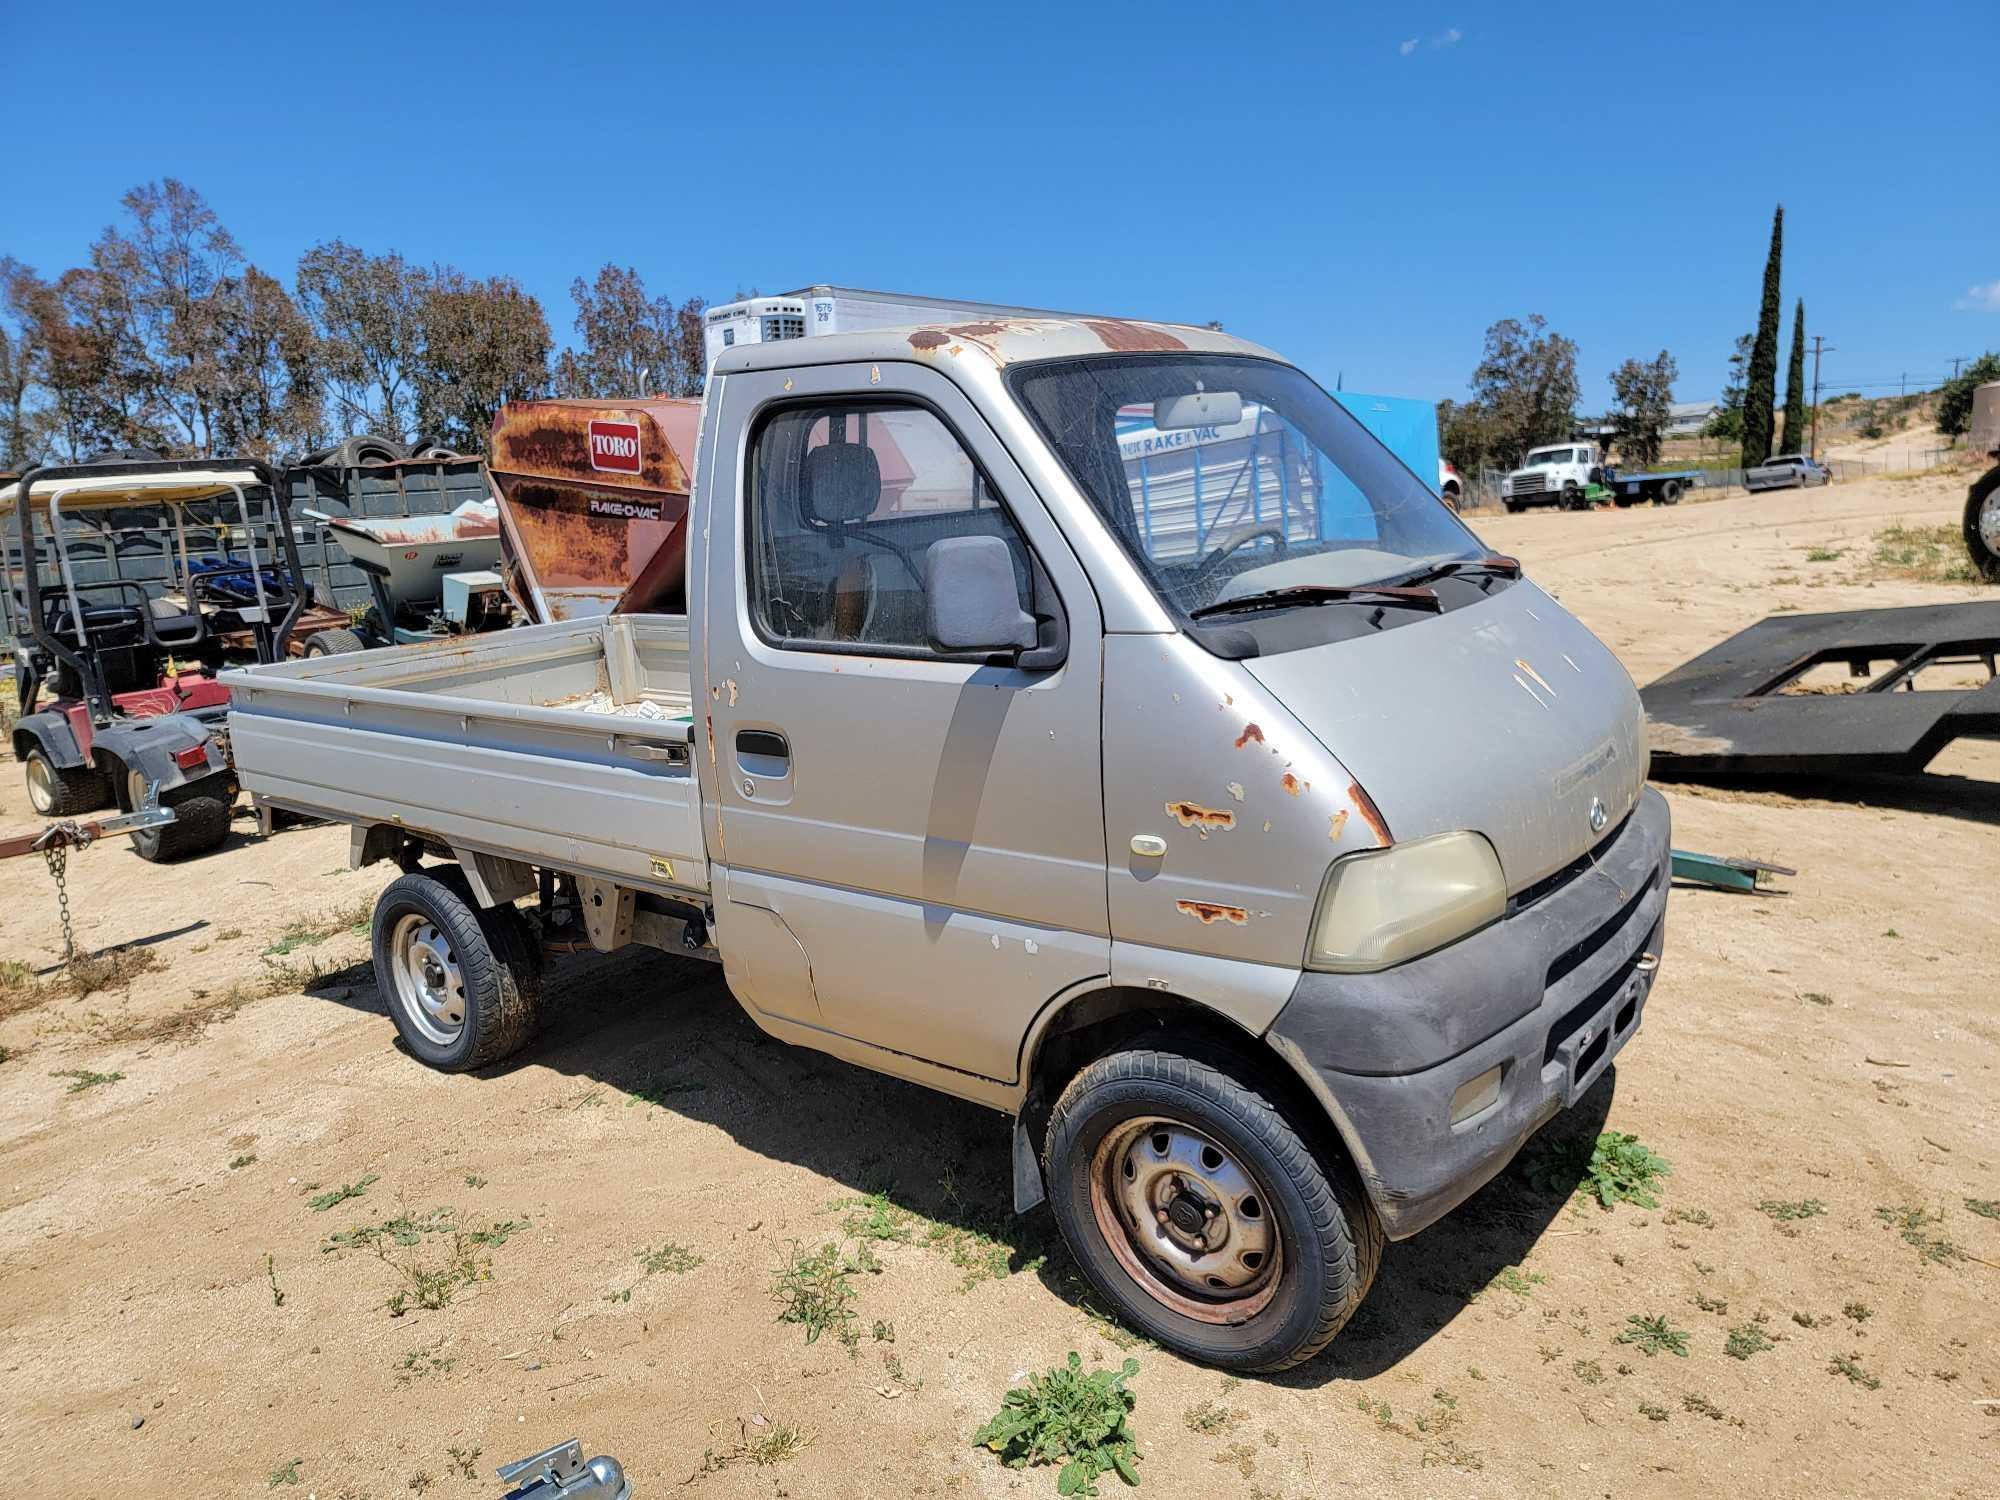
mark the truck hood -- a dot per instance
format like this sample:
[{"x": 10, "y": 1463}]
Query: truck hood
[{"x": 1506, "y": 717}]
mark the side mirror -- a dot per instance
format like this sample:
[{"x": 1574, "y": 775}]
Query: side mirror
[{"x": 970, "y": 601}]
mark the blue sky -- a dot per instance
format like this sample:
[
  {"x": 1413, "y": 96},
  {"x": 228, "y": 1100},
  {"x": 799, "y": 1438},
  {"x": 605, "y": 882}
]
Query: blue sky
[{"x": 1364, "y": 189}]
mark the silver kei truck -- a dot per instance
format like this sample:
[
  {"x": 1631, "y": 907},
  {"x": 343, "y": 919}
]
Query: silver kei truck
[{"x": 1280, "y": 862}]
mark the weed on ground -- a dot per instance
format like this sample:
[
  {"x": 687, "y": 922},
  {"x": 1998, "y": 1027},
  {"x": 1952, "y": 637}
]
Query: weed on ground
[
  {"x": 83, "y": 1078},
  {"x": 1066, "y": 1417},
  {"x": 1925, "y": 554},
  {"x": 1650, "y": 1336},
  {"x": 770, "y": 1443},
  {"x": 815, "y": 1292},
  {"x": 1913, "y": 1222},
  {"x": 1614, "y": 1168}
]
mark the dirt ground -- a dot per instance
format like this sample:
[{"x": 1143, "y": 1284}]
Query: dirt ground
[{"x": 179, "y": 1312}]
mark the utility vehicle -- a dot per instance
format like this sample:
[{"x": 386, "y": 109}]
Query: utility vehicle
[
  {"x": 134, "y": 714},
  {"x": 1280, "y": 863}
]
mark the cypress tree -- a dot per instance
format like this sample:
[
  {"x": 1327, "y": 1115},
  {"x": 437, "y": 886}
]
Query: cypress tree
[
  {"x": 1795, "y": 384},
  {"x": 1762, "y": 394}
]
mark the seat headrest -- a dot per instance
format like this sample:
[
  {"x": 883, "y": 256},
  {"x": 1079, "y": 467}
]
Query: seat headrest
[{"x": 841, "y": 483}]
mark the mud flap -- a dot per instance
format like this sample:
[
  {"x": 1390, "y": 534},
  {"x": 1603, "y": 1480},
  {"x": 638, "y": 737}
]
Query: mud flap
[{"x": 1029, "y": 1191}]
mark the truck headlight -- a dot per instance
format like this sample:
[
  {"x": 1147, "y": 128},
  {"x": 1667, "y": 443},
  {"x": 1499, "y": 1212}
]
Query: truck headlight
[{"x": 1387, "y": 906}]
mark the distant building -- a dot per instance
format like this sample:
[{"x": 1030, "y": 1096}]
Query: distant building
[{"x": 1689, "y": 417}]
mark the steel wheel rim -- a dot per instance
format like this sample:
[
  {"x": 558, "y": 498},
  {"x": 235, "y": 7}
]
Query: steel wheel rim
[
  {"x": 1186, "y": 1219},
  {"x": 41, "y": 785},
  {"x": 425, "y": 979},
  {"x": 1989, "y": 522}
]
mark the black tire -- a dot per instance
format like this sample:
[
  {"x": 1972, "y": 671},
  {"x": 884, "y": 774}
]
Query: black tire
[
  {"x": 1329, "y": 1241},
  {"x": 1624, "y": 501},
  {"x": 1670, "y": 492},
  {"x": 1452, "y": 497},
  {"x": 334, "y": 642},
  {"x": 201, "y": 821},
  {"x": 1513, "y": 507},
  {"x": 1572, "y": 497},
  {"x": 64, "y": 791},
  {"x": 1985, "y": 561},
  {"x": 497, "y": 976}
]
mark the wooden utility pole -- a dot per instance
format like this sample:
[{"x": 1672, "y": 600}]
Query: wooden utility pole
[{"x": 1812, "y": 450}]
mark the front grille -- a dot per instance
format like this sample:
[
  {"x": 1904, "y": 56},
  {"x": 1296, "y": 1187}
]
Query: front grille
[
  {"x": 1531, "y": 484},
  {"x": 1578, "y": 954}
]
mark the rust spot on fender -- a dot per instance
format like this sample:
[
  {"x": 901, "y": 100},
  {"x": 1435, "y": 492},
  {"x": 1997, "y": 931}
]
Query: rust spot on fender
[
  {"x": 1210, "y": 912},
  {"x": 1293, "y": 785},
  {"x": 926, "y": 339},
  {"x": 1337, "y": 825},
  {"x": 1250, "y": 732},
  {"x": 1132, "y": 338},
  {"x": 1370, "y": 814},
  {"x": 1201, "y": 819}
]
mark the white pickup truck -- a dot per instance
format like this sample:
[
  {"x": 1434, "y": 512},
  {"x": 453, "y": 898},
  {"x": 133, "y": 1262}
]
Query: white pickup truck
[{"x": 1280, "y": 863}]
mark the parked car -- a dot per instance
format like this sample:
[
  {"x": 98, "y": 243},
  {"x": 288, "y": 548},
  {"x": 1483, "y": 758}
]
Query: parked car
[
  {"x": 1787, "y": 471},
  {"x": 1450, "y": 488},
  {"x": 1165, "y": 835}
]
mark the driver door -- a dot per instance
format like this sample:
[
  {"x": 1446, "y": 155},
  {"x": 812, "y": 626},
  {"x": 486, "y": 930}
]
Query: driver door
[{"x": 928, "y": 828}]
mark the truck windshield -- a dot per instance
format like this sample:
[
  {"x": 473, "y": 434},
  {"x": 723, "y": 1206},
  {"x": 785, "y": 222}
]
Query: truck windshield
[
  {"x": 1547, "y": 456},
  {"x": 1227, "y": 477}
]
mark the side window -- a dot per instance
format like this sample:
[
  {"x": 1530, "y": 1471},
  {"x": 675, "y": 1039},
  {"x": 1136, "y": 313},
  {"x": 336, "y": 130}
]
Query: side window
[{"x": 845, "y": 501}]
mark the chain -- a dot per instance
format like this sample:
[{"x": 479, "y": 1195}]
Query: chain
[{"x": 57, "y": 858}]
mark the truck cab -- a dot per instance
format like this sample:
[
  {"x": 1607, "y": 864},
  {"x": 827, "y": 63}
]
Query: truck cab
[
  {"x": 1087, "y": 717},
  {"x": 1558, "y": 474}
]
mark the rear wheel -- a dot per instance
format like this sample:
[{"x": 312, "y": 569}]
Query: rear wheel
[
  {"x": 1201, "y": 1214},
  {"x": 1670, "y": 492},
  {"x": 64, "y": 791},
  {"x": 334, "y": 642},
  {"x": 201, "y": 820},
  {"x": 1982, "y": 531},
  {"x": 460, "y": 981}
]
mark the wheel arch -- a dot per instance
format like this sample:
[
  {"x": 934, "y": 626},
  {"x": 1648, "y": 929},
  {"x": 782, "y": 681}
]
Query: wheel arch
[
  {"x": 51, "y": 734},
  {"x": 1076, "y": 1029}
]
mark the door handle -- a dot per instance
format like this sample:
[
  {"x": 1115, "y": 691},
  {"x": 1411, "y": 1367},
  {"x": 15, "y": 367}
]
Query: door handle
[{"x": 763, "y": 752}]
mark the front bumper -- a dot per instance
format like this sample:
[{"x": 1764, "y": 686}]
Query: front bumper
[{"x": 1549, "y": 994}]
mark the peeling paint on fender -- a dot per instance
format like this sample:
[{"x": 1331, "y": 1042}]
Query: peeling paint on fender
[
  {"x": 1250, "y": 732},
  {"x": 1210, "y": 912}
]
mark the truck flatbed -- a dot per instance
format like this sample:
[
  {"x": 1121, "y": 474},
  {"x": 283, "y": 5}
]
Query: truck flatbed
[{"x": 485, "y": 743}]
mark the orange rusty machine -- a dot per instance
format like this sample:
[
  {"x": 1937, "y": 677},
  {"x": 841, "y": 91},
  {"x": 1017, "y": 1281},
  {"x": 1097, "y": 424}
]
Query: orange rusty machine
[{"x": 593, "y": 503}]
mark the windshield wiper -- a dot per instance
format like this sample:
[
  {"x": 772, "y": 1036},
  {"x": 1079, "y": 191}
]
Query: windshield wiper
[
  {"x": 1506, "y": 567},
  {"x": 1401, "y": 595}
]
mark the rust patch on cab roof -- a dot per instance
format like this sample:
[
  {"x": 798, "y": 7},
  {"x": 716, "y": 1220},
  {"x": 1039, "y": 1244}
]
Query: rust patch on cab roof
[
  {"x": 1132, "y": 338},
  {"x": 1201, "y": 819},
  {"x": 1210, "y": 912},
  {"x": 1250, "y": 732}
]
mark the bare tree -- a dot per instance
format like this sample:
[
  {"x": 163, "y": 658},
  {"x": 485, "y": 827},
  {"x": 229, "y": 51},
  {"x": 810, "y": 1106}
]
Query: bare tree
[
  {"x": 367, "y": 311},
  {"x": 484, "y": 343}
]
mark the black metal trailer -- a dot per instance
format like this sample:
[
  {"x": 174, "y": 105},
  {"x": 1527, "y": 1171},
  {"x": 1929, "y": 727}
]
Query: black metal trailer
[{"x": 1759, "y": 703}]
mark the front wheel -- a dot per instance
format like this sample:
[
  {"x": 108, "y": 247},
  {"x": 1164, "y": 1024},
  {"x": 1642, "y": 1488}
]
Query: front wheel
[
  {"x": 460, "y": 981},
  {"x": 1201, "y": 1215}
]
